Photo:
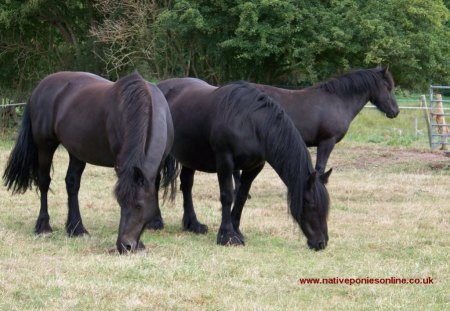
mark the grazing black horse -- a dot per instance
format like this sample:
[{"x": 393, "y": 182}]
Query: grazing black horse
[
  {"x": 323, "y": 113},
  {"x": 126, "y": 125},
  {"x": 238, "y": 127}
]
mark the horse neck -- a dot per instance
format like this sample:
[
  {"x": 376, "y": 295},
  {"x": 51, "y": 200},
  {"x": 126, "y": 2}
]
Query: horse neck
[
  {"x": 136, "y": 129},
  {"x": 159, "y": 139},
  {"x": 287, "y": 154},
  {"x": 354, "y": 102}
]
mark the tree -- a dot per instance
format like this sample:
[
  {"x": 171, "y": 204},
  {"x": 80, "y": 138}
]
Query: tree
[
  {"x": 124, "y": 36},
  {"x": 40, "y": 37},
  {"x": 295, "y": 42},
  {"x": 303, "y": 41}
]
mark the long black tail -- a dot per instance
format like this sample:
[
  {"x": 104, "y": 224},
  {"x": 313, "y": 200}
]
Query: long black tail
[
  {"x": 21, "y": 171},
  {"x": 169, "y": 174}
]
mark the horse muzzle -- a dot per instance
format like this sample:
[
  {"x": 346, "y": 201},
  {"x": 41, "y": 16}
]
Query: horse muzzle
[
  {"x": 392, "y": 114},
  {"x": 125, "y": 246},
  {"x": 317, "y": 245}
]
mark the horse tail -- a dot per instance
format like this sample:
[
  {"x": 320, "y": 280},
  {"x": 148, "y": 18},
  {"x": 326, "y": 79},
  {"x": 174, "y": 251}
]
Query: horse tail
[
  {"x": 21, "y": 171},
  {"x": 169, "y": 174}
]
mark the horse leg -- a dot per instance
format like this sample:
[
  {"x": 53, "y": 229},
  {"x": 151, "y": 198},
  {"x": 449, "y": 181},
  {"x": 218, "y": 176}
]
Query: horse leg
[
  {"x": 227, "y": 235},
  {"x": 237, "y": 183},
  {"x": 324, "y": 149},
  {"x": 247, "y": 178},
  {"x": 157, "y": 222},
  {"x": 190, "y": 222},
  {"x": 74, "y": 224},
  {"x": 45, "y": 156}
]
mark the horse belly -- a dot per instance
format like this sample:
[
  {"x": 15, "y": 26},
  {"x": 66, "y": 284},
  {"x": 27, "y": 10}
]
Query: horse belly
[
  {"x": 89, "y": 151},
  {"x": 191, "y": 145},
  {"x": 197, "y": 157},
  {"x": 86, "y": 141}
]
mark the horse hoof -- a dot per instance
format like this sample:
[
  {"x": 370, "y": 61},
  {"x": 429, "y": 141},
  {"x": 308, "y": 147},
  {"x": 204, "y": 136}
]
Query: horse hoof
[
  {"x": 76, "y": 231},
  {"x": 230, "y": 239},
  {"x": 44, "y": 231},
  {"x": 156, "y": 224},
  {"x": 140, "y": 246},
  {"x": 196, "y": 227},
  {"x": 240, "y": 235},
  {"x": 42, "y": 227},
  {"x": 201, "y": 229}
]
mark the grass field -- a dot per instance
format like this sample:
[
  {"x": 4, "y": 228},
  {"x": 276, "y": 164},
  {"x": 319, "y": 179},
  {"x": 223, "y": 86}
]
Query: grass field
[{"x": 390, "y": 212}]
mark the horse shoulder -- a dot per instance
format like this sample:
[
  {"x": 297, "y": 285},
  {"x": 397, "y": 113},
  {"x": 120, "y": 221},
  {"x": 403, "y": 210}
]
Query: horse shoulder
[{"x": 240, "y": 139}]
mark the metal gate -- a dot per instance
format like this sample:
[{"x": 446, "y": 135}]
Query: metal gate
[{"x": 438, "y": 129}]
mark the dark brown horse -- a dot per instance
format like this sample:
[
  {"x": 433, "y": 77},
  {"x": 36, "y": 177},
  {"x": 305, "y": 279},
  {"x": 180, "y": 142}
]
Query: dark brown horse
[
  {"x": 125, "y": 125},
  {"x": 238, "y": 127},
  {"x": 323, "y": 113}
]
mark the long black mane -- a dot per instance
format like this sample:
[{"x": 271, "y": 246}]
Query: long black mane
[
  {"x": 136, "y": 109},
  {"x": 356, "y": 82},
  {"x": 285, "y": 149}
]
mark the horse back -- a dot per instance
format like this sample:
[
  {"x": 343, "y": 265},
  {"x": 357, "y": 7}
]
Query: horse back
[
  {"x": 192, "y": 108},
  {"x": 74, "y": 109},
  {"x": 188, "y": 96},
  {"x": 202, "y": 132},
  {"x": 316, "y": 114}
]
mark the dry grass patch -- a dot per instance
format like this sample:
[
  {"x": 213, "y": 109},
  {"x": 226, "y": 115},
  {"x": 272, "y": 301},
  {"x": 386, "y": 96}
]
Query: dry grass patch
[{"x": 389, "y": 217}]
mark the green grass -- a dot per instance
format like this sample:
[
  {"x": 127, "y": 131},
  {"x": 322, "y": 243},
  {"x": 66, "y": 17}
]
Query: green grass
[
  {"x": 409, "y": 129},
  {"x": 390, "y": 211}
]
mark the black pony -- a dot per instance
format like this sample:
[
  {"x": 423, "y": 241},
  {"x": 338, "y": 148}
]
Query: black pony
[
  {"x": 125, "y": 125},
  {"x": 323, "y": 113},
  {"x": 237, "y": 127}
]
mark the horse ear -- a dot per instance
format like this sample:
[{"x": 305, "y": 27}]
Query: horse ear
[
  {"x": 324, "y": 177},
  {"x": 312, "y": 179},
  {"x": 138, "y": 176}
]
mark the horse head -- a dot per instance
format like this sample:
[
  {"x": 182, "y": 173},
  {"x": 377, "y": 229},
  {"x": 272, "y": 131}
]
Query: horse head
[
  {"x": 313, "y": 220},
  {"x": 383, "y": 97},
  {"x": 138, "y": 206}
]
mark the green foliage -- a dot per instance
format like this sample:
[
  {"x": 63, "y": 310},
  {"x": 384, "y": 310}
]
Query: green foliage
[
  {"x": 302, "y": 42},
  {"x": 290, "y": 42},
  {"x": 39, "y": 37}
]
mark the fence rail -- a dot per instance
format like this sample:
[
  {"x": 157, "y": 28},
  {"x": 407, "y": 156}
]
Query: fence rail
[{"x": 13, "y": 105}]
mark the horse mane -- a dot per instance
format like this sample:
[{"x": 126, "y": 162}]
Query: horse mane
[
  {"x": 136, "y": 109},
  {"x": 356, "y": 82},
  {"x": 284, "y": 147}
]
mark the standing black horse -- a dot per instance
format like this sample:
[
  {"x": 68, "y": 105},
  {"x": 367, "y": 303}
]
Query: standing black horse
[
  {"x": 323, "y": 113},
  {"x": 238, "y": 127},
  {"x": 126, "y": 125}
]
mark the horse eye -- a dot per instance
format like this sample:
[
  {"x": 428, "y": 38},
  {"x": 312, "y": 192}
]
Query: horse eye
[{"x": 138, "y": 206}]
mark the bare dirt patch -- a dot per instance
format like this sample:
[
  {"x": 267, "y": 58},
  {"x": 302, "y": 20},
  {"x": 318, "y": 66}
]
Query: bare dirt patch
[{"x": 369, "y": 157}]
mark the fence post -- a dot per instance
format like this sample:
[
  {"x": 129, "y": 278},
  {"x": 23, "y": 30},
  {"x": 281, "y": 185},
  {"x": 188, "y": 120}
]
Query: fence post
[
  {"x": 439, "y": 117},
  {"x": 423, "y": 104},
  {"x": 8, "y": 114}
]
